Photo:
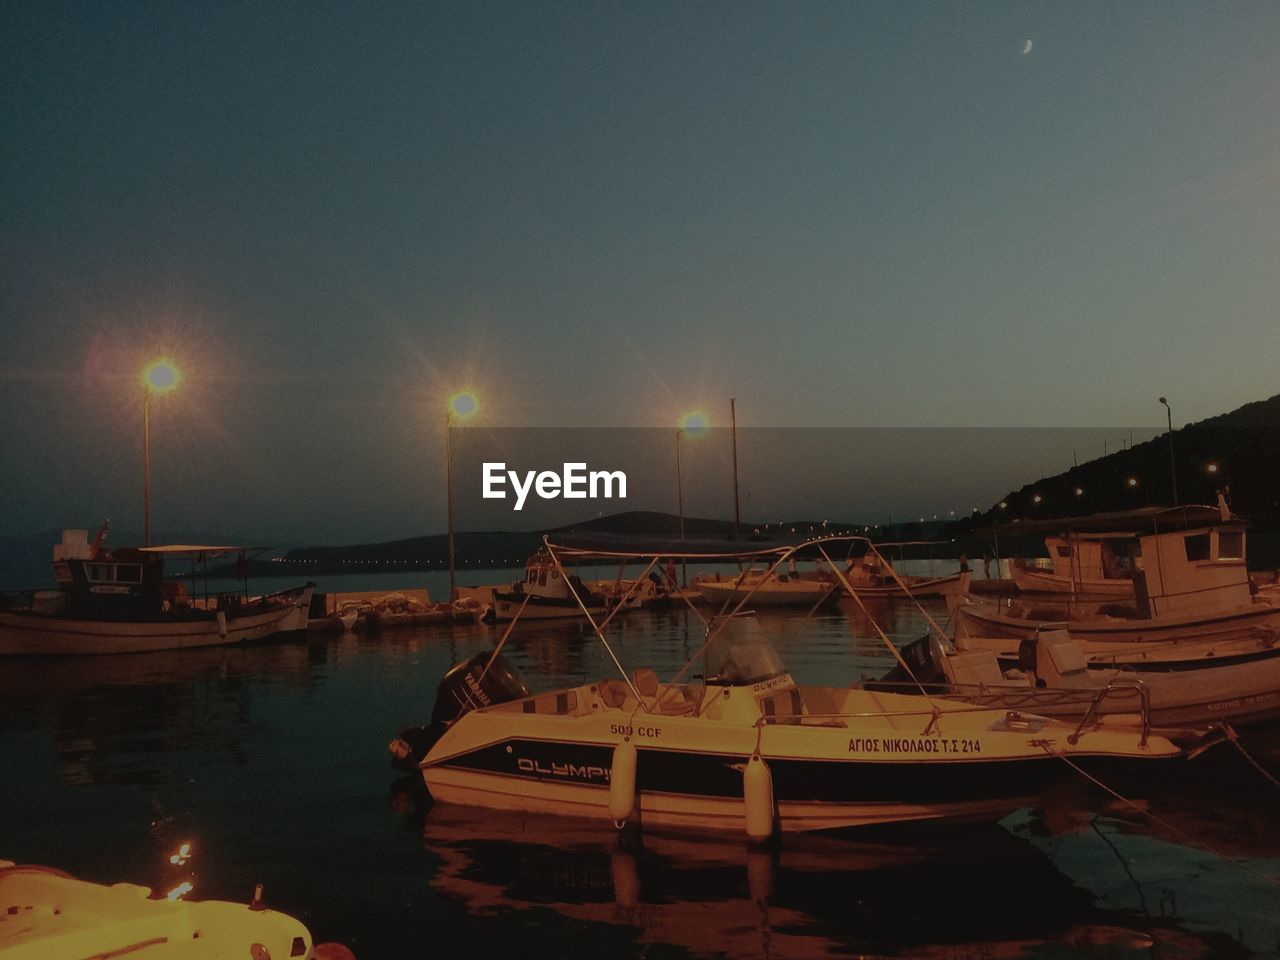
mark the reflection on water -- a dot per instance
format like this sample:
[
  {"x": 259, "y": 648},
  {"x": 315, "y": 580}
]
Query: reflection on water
[
  {"x": 919, "y": 892},
  {"x": 270, "y": 760}
]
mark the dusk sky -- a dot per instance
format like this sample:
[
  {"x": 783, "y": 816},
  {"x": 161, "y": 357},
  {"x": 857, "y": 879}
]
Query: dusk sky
[{"x": 844, "y": 214}]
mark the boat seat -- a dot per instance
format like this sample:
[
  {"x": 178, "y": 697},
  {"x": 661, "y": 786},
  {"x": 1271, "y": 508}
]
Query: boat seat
[
  {"x": 615, "y": 693},
  {"x": 976, "y": 668},
  {"x": 645, "y": 680},
  {"x": 1060, "y": 662},
  {"x": 664, "y": 699},
  {"x": 785, "y": 706}
]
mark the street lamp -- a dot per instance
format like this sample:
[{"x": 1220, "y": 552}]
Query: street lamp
[
  {"x": 462, "y": 406},
  {"x": 1173, "y": 470},
  {"x": 694, "y": 424},
  {"x": 160, "y": 377}
]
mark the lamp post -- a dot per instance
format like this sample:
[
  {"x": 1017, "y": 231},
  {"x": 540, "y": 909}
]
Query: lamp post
[
  {"x": 160, "y": 377},
  {"x": 1173, "y": 470},
  {"x": 460, "y": 408},
  {"x": 694, "y": 424}
]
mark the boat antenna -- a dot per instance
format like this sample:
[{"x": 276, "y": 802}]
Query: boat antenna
[{"x": 733, "y": 434}]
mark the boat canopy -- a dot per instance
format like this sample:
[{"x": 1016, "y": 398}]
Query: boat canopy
[
  {"x": 175, "y": 549},
  {"x": 1122, "y": 523},
  {"x": 619, "y": 546}
]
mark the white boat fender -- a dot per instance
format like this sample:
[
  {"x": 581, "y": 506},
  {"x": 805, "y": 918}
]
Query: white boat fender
[
  {"x": 622, "y": 783},
  {"x": 222, "y": 623},
  {"x": 757, "y": 795}
]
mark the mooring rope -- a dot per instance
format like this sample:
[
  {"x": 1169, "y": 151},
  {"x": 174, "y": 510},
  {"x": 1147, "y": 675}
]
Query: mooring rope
[
  {"x": 1234, "y": 739},
  {"x": 1182, "y": 834}
]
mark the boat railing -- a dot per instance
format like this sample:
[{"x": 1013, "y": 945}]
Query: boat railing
[{"x": 1125, "y": 686}]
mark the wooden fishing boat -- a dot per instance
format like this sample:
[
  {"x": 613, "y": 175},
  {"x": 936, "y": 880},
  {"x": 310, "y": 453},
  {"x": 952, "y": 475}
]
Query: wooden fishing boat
[
  {"x": 1190, "y": 583},
  {"x": 545, "y": 593},
  {"x": 120, "y": 602},
  {"x": 1093, "y": 565},
  {"x": 766, "y": 588}
]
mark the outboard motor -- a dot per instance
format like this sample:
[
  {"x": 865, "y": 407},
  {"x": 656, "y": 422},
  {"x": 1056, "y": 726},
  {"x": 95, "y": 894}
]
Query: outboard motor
[{"x": 465, "y": 687}]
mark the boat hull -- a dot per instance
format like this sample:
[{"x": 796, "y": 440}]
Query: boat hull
[
  {"x": 797, "y": 593},
  {"x": 1242, "y": 692},
  {"x": 507, "y": 606},
  {"x": 955, "y": 584},
  {"x": 825, "y": 773},
  {"x": 1038, "y": 581},
  {"x": 34, "y": 634},
  {"x": 1103, "y": 634}
]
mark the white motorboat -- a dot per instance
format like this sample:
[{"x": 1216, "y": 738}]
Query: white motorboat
[
  {"x": 46, "y": 914},
  {"x": 120, "y": 602},
  {"x": 745, "y": 745}
]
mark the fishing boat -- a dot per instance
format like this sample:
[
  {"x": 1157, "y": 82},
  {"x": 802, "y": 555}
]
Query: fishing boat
[
  {"x": 546, "y": 593},
  {"x": 1190, "y": 583},
  {"x": 873, "y": 576},
  {"x": 744, "y": 746},
  {"x": 46, "y": 914},
  {"x": 121, "y": 602},
  {"x": 1177, "y": 686},
  {"x": 1093, "y": 565},
  {"x": 766, "y": 588}
]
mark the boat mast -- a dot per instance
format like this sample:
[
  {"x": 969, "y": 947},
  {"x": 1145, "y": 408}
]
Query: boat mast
[{"x": 733, "y": 433}]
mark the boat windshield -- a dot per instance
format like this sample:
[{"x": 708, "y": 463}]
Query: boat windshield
[{"x": 742, "y": 654}]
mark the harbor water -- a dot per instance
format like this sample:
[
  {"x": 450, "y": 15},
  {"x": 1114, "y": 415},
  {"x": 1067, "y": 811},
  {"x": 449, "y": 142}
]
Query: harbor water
[{"x": 270, "y": 761}]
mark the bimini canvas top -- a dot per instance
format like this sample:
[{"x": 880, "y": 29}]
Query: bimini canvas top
[{"x": 171, "y": 549}]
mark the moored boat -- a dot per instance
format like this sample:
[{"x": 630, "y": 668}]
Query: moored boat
[
  {"x": 120, "y": 602},
  {"x": 1190, "y": 583},
  {"x": 746, "y": 747},
  {"x": 546, "y": 593},
  {"x": 1173, "y": 686},
  {"x": 46, "y": 914},
  {"x": 766, "y": 588},
  {"x": 1092, "y": 565}
]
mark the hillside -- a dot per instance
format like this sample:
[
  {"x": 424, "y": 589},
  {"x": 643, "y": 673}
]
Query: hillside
[{"x": 1238, "y": 452}]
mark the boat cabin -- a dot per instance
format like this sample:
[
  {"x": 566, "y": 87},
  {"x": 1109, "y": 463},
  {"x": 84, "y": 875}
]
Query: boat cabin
[
  {"x": 127, "y": 583},
  {"x": 1189, "y": 571},
  {"x": 1094, "y": 556}
]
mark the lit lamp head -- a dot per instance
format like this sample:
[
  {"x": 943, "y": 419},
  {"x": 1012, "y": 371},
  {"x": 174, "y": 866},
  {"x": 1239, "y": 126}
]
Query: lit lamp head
[
  {"x": 463, "y": 406},
  {"x": 694, "y": 423},
  {"x": 1211, "y": 468},
  {"x": 160, "y": 377}
]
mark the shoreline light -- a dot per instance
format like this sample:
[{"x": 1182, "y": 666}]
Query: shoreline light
[{"x": 161, "y": 377}]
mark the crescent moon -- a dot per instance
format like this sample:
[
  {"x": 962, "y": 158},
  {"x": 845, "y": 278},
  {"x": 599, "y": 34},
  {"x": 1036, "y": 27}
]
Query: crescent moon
[{"x": 1026, "y": 47}]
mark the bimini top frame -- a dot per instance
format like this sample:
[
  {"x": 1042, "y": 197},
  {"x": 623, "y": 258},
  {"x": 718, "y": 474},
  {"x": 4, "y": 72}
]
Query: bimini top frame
[{"x": 773, "y": 555}]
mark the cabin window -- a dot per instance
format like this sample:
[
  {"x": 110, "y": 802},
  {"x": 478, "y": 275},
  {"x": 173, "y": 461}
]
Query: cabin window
[
  {"x": 1197, "y": 546},
  {"x": 129, "y": 572},
  {"x": 98, "y": 572},
  {"x": 542, "y": 577},
  {"x": 1231, "y": 546},
  {"x": 1064, "y": 551}
]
